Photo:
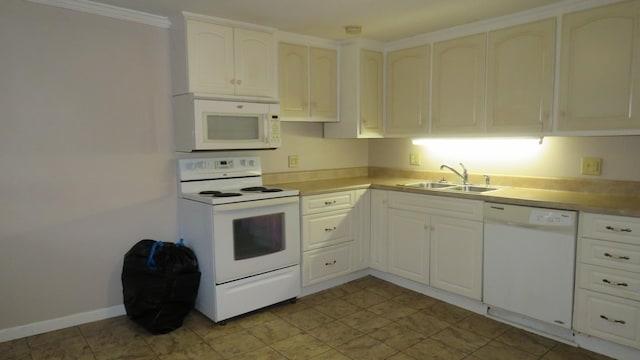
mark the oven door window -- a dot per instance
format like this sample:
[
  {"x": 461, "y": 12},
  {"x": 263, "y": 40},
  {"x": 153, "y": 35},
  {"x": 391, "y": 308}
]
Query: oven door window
[{"x": 257, "y": 236}]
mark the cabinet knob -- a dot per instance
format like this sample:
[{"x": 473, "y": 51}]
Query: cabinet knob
[
  {"x": 238, "y": 82},
  {"x": 330, "y": 202},
  {"x": 232, "y": 81},
  {"x": 330, "y": 229},
  {"x": 330, "y": 263}
]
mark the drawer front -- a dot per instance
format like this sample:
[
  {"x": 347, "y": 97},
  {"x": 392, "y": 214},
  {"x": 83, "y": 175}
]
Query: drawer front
[
  {"x": 327, "y": 202},
  {"x": 326, "y": 263},
  {"x": 319, "y": 230},
  {"x": 608, "y": 317},
  {"x": 610, "y": 254},
  {"x": 609, "y": 227},
  {"x": 610, "y": 281},
  {"x": 437, "y": 205}
]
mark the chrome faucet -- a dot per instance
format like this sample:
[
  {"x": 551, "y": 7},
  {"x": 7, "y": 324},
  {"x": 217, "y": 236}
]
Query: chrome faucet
[{"x": 464, "y": 176}]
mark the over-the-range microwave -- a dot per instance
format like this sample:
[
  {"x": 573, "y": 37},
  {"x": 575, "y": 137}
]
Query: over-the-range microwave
[{"x": 206, "y": 124}]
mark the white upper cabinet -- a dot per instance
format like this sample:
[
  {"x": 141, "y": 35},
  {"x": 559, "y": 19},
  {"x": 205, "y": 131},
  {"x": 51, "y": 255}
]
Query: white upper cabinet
[
  {"x": 222, "y": 61},
  {"x": 308, "y": 83},
  {"x": 361, "y": 91},
  {"x": 408, "y": 92},
  {"x": 600, "y": 69},
  {"x": 520, "y": 71},
  {"x": 458, "y": 85}
]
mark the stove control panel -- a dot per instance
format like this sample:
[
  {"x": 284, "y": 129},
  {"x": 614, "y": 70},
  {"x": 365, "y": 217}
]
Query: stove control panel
[{"x": 213, "y": 168}]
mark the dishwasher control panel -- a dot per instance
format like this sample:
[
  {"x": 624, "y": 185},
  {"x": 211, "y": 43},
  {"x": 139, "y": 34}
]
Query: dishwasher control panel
[{"x": 550, "y": 217}]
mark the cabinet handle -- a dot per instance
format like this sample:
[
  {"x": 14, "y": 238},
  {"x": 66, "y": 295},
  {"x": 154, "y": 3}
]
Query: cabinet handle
[
  {"x": 330, "y": 202},
  {"x": 617, "y": 257},
  {"x": 330, "y": 263},
  {"x": 612, "y": 283},
  {"x": 613, "y": 320},
  {"x": 238, "y": 82},
  {"x": 330, "y": 229},
  {"x": 611, "y": 228}
]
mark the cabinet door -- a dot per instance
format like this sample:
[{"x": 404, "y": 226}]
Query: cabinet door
[
  {"x": 254, "y": 63},
  {"x": 371, "y": 70},
  {"x": 408, "y": 246},
  {"x": 293, "y": 73},
  {"x": 379, "y": 220},
  {"x": 408, "y": 91},
  {"x": 361, "y": 214},
  {"x": 600, "y": 69},
  {"x": 210, "y": 58},
  {"x": 456, "y": 256},
  {"x": 520, "y": 78},
  {"x": 458, "y": 85},
  {"x": 323, "y": 89}
]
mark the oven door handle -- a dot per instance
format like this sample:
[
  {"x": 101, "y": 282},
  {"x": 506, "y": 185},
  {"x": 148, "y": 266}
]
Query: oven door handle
[{"x": 255, "y": 204}]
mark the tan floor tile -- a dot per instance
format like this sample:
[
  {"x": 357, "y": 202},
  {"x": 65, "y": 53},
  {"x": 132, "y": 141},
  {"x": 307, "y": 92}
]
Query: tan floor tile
[
  {"x": 319, "y": 297},
  {"x": 364, "y": 298},
  {"x": 433, "y": 349},
  {"x": 391, "y": 310},
  {"x": 53, "y": 336},
  {"x": 400, "y": 356},
  {"x": 274, "y": 331},
  {"x": 199, "y": 323},
  {"x": 284, "y": 309},
  {"x": 526, "y": 341},
  {"x": 331, "y": 355},
  {"x": 136, "y": 349},
  {"x": 414, "y": 300},
  {"x": 461, "y": 339},
  {"x": 197, "y": 351},
  {"x": 483, "y": 325},
  {"x": 499, "y": 351},
  {"x": 387, "y": 290},
  {"x": 68, "y": 348},
  {"x": 567, "y": 352},
  {"x": 307, "y": 319},
  {"x": 423, "y": 323},
  {"x": 349, "y": 288},
  {"x": 366, "y": 347},
  {"x": 253, "y": 319},
  {"x": 301, "y": 346},
  {"x": 367, "y": 281},
  {"x": 337, "y": 308},
  {"x": 174, "y": 341},
  {"x": 265, "y": 353},
  {"x": 447, "y": 312},
  {"x": 217, "y": 330},
  {"x": 365, "y": 321},
  {"x": 99, "y": 326},
  {"x": 15, "y": 347},
  {"x": 397, "y": 336},
  {"x": 114, "y": 336},
  {"x": 335, "y": 333},
  {"x": 235, "y": 344}
]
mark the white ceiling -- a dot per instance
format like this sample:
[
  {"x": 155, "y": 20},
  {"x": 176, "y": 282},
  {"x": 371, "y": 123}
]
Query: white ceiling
[{"x": 382, "y": 20}]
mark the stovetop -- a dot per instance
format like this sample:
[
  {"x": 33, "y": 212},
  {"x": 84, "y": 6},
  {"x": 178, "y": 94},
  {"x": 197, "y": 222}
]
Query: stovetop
[{"x": 226, "y": 180}]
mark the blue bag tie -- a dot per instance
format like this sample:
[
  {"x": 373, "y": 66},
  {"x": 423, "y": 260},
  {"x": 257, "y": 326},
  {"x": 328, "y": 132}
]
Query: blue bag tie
[{"x": 151, "y": 264}]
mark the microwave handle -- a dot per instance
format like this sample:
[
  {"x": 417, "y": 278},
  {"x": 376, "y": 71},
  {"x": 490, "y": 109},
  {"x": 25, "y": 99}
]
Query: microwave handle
[{"x": 255, "y": 204}]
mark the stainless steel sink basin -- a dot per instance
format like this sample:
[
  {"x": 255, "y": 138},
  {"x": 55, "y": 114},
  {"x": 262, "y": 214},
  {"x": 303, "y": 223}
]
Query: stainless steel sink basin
[
  {"x": 471, "y": 188},
  {"x": 429, "y": 185}
]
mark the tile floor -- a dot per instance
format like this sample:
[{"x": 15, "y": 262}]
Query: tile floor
[{"x": 365, "y": 319}]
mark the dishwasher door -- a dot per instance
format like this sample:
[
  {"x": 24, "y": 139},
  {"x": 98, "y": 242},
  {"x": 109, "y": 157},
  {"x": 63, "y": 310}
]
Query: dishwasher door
[{"x": 529, "y": 261}]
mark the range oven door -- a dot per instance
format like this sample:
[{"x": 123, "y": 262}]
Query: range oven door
[{"x": 254, "y": 237}]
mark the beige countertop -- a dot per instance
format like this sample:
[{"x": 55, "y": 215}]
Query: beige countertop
[{"x": 569, "y": 200}]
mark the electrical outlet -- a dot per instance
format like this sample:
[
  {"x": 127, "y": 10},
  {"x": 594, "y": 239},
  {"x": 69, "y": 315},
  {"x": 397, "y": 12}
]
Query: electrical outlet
[
  {"x": 591, "y": 166},
  {"x": 414, "y": 159},
  {"x": 293, "y": 161}
]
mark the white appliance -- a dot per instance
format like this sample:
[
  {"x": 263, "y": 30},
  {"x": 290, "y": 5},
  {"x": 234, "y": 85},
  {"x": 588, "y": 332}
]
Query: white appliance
[
  {"x": 206, "y": 124},
  {"x": 529, "y": 261},
  {"x": 246, "y": 236}
]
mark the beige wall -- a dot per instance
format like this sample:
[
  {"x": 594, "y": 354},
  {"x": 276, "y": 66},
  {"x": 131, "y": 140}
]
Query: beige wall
[
  {"x": 556, "y": 157},
  {"x": 86, "y": 165}
]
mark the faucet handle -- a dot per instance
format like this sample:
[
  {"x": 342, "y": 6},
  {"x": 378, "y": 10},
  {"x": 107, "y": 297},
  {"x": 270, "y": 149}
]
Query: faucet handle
[{"x": 487, "y": 179}]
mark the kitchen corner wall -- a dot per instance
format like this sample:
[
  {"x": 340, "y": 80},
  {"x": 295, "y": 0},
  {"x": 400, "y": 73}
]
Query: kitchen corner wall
[{"x": 86, "y": 159}]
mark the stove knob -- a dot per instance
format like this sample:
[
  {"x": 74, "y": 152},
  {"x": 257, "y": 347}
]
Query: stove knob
[{"x": 243, "y": 163}]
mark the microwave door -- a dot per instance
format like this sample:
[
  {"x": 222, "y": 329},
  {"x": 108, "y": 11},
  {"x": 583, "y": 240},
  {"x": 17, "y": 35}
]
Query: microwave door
[{"x": 232, "y": 131}]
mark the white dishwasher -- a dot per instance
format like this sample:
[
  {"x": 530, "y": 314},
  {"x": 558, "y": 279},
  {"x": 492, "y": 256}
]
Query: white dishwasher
[{"x": 529, "y": 261}]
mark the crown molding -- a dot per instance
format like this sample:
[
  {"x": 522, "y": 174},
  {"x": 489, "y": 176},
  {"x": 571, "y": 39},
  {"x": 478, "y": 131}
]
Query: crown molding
[{"x": 111, "y": 11}]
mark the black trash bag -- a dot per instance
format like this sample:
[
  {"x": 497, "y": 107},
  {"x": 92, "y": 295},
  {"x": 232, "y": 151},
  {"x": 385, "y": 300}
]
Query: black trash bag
[{"x": 160, "y": 283}]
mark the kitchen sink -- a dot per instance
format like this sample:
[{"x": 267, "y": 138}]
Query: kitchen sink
[
  {"x": 429, "y": 185},
  {"x": 471, "y": 188}
]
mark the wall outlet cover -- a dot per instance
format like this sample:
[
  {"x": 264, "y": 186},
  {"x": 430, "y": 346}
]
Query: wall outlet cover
[
  {"x": 293, "y": 161},
  {"x": 591, "y": 166}
]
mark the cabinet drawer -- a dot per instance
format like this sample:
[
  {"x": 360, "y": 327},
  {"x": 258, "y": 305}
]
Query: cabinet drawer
[
  {"x": 327, "y": 202},
  {"x": 437, "y": 205},
  {"x": 324, "y": 229},
  {"x": 326, "y": 263},
  {"x": 608, "y": 317},
  {"x": 609, "y": 227},
  {"x": 610, "y": 281},
  {"x": 610, "y": 254}
]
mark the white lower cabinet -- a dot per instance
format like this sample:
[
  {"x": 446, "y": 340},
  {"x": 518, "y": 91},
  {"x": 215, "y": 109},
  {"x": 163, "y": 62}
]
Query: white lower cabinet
[
  {"x": 607, "y": 301},
  {"x": 335, "y": 234},
  {"x": 433, "y": 240}
]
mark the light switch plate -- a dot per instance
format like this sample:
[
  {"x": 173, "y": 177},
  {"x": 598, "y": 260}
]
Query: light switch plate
[
  {"x": 414, "y": 159},
  {"x": 293, "y": 161},
  {"x": 591, "y": 166}
]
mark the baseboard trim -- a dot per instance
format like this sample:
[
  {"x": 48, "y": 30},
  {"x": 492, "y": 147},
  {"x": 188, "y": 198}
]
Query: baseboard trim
[{"x": 60, "y": 323}]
